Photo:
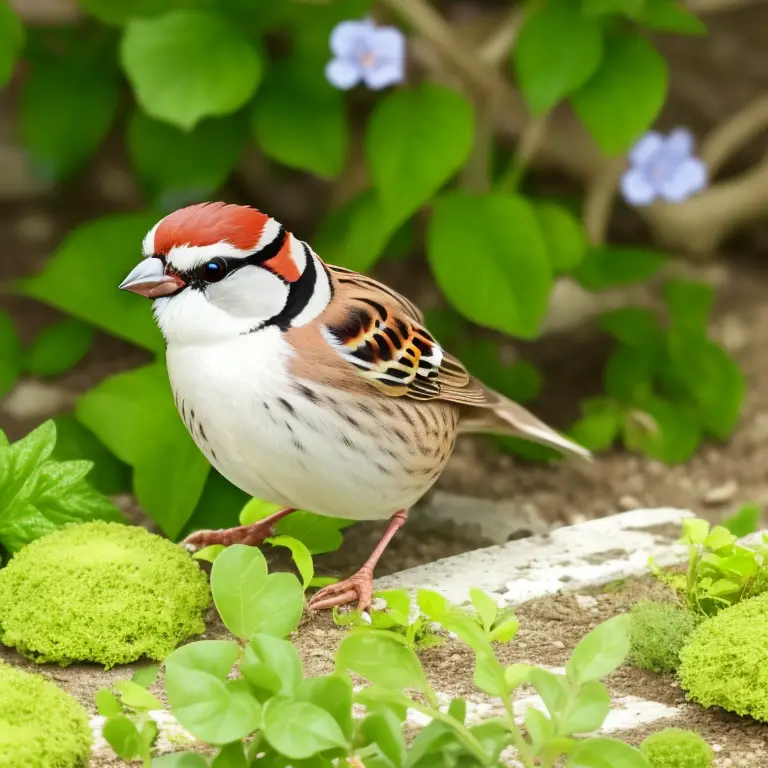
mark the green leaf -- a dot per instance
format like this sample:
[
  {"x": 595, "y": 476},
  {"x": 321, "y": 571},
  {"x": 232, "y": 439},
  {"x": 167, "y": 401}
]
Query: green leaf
[
  {"x": 189, "y": 64},
  {"x": 356, "y": 235},
  {"x": 211, "y": 707},
  {"x": 541, "y": 729},
  {"x": 719, "y": 538},
  {"x": 600, "y": 652},
  {"x": 110, "y": 246},
  {"x": 505, "y": 631},
  {"x": 136, "y": 697},
  {"x": 333, "y": 693},
  {"x": 670, "y": 16},
  {"x": 11, "y": 40},
  {"x": 689, "y": 304},
  {"x": 626, "y": 94},
  {"x": 276, "y": 655},
  {"x": 629, "y": 373},
  {"x": 416, "y": 139},
  {"x": 122, "y": 735},
  {"x": 553, "y": 689},
  {"x": 609, "y": 267},
  {"x": 595, "y": 8},
  {"x": 695, "y": 530},
  {"x": 209, "y": 553},
  {"x": 588, "y": 709},
  {"x": 506, "y": 283},
  {"x": 13, "y": 354},
  {"x": 179, "y": 167},
  {"x": 563, "y": 234},
  {"x": 666, "y": 431},
  {"x": 134, "y": 415},
  {"x": 382, "y": 660},
  {"x": 257, "y": 509},
  {"x": 146, "y": 676},
  {"x": 489, "y": 675},
  {"x": 487, "y": 608},
  {"x": 68, "y": 103},
  {"x": 109, "y": 475},
  {"x": 117, "y": 14},
  {"x": 231, "y": 756},
  {"x": 598, "y": 430},
  {"x": 38, "y": 494},
  {"x": 59, "y": 347},
  {"x": 516, "y": 674},
  {"x": 299, "y": 120},
  {"x": 298, "y": 729},
  {"x": 605, "y": 753},
  {"x": 107, "y": 704},
  {"x": 632, "y": 326},
  {"x": 385, "y": 730},
  {"x": 557, "y": 50},
  {"x": 300, "y": 554},
  {"x": 745, "y": 521},
  {"x": 249, "y": 600}
]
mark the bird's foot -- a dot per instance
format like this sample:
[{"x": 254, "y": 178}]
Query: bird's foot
[
  {"x": 252, "y": 535},
  {"x": 358, "y": 587}
]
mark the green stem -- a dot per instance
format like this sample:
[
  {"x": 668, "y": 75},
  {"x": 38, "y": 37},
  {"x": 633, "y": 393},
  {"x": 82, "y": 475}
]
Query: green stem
[
  {"x": 461, "y": 731},
  {"x": 521, "y": 745},
  {"x": 530, "y": 141}
]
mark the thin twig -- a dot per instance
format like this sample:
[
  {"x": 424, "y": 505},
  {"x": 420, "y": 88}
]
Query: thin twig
[
  {"x": 598, "y": 202},
  {"x": 498, "y": 45},
  {"x": 719, "y": 6}
]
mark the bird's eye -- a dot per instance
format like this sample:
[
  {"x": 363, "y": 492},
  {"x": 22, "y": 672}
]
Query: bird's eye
[{"x": 214, "y": 270}]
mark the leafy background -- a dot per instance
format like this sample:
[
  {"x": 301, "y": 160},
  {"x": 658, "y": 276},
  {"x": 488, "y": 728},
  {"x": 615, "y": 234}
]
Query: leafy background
[{"x": 419, "y": 183}]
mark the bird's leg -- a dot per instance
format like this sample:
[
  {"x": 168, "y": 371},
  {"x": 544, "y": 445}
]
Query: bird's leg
[
  {"x": 252, "y": 535},
  {"x": 359, "y": 586}
]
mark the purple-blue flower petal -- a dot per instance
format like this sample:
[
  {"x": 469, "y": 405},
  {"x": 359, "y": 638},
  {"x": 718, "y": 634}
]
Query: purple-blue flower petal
[
  {"x": 645, "y": 148},
  {"x": 348, "y": 37},
  {"x": 388, "y": 43},
  {"x": 343, "y": 74},
  {"x": 636, "y": 189},
  {"x": 383, "y": 74},
  {"x": 688, "y": 178},
  {"x": 680, "y": 141}
]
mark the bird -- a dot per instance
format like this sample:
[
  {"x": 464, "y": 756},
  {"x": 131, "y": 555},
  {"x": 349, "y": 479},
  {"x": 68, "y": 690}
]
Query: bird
[{"x": 306, "y": 384}]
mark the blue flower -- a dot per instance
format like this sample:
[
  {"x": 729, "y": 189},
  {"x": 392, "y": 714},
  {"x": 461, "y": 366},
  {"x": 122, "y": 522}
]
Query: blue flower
[
  {"x": 363, "y": 51},
  {"x": 663, "y": 167}
]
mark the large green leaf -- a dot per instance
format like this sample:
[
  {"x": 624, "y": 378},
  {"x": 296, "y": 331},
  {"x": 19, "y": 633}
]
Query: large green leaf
[
  {"x": 59, "y": 347},
  {"x": 605, "y": 753},
  {"x": 67, "y": 106},
  {"x": 490, "y": 259},
  {"x": 82, "y": 276},
  {"x": 625, "y": 95},
  {"x": 557, "y": 51},
  {"x": 181, "y": 167},
  {"x": 133, "y": 414},
  {"x": 11, "y": 40},
  {"x": 609, "y": 266},
  {"x": 299, "y": 120},
  {"x": 563, "y": 234},
  {"x": 189, "y": 64},
  {"x": 670, "y": 16},
  {"x": 416, "y": 139}
]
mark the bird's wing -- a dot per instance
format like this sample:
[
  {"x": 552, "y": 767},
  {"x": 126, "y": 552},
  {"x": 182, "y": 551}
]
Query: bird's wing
[{"x": 382, "y": 336}]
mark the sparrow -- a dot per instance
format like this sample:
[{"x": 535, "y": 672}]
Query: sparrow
[{"x": 307, "y": 384}]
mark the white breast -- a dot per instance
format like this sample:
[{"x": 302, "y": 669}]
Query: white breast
[{"x": 325, "y": 453}]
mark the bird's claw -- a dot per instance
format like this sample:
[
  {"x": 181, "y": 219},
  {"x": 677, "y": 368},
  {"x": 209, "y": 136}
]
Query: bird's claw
[{"x": 358, "y": 587}]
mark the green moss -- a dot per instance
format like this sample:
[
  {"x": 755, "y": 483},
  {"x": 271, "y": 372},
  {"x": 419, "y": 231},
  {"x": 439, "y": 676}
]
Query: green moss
[
  {"x": 724, "y": 663},
  {"x": 658, "y": 633},
  {"x": 101, "y": 592},
  {"x": 675, "y": 748},
  {"x": 41, "y": 726}
]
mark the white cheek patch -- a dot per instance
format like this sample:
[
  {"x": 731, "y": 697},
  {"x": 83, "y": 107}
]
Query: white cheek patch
[
  {"x": 250, "y": 292},
  {"x": 148, "y": 244},
  {"x": 268, "y": 234},
  {"x": 298, "y": 254}
]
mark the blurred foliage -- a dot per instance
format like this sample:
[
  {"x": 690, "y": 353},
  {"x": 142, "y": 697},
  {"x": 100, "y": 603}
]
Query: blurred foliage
[{"x": 190, "y": 84}]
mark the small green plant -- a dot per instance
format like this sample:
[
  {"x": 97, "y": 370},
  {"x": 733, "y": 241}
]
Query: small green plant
[
  {"x": 38, "y": 493},
  {"x": 271, "y": 714},
  {"x": 676, "y": 748},
  {"x": 40, "y": 725},
  {"x": 723, "y": 664},
  {"x": 657, "y": 635},
  {"x": 128, "y": 727},
  {"x": 121, "y": 593},
  {"x": 720, "y": 572},
  {"x": 667, "y": 387}
]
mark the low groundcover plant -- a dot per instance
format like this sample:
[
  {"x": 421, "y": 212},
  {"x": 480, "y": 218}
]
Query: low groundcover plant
[
  {"x": 41, "y": 726},
  {"x": 101, "y": 592},
  {"x": 675, "y": 748}
]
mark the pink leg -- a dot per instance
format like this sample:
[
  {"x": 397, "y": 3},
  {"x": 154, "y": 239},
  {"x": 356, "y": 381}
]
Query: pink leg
[
  {"x": 359, "y": 586},
  {"x": 252, "y": 535}
]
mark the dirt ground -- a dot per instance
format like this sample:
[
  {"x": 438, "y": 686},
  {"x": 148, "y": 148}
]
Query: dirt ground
[{"x": 550, "y": 628}]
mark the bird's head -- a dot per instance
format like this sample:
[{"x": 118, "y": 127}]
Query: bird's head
[{"x": 217, "y": 271}]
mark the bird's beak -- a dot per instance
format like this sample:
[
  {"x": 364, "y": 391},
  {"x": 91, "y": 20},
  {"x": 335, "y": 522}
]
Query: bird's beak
[{"x": 148, "y": 279}]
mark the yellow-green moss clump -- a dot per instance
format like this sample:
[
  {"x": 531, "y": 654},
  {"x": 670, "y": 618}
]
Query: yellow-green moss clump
[
  {"x": 676, "y": 748},
  {"x": 724, "y": 662},
  {"x": 657, "y": 635},
  {"x": 41, "y": 726},
  {"x": 101, "y": 592}
]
